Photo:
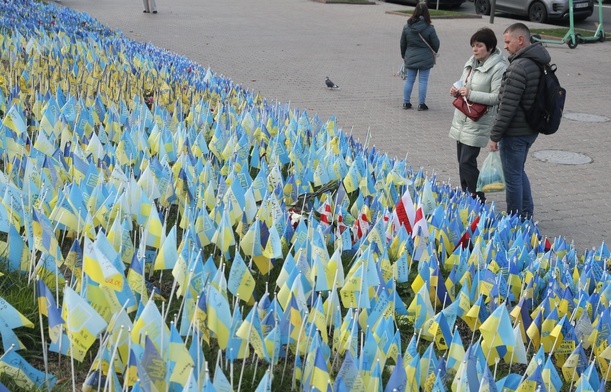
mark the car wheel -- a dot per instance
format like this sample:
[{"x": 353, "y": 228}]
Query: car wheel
[
  {"x": 537, "y": 12},
  {"x": 482, "y": 7}
]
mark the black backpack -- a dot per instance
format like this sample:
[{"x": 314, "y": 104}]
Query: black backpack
[{"x": 546, "y": 112}]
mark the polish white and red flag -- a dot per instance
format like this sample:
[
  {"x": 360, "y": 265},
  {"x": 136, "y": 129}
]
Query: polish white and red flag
[
  {"x": 326, "y": 216},
  {"x": 361, "y": 226},
  {"x": 420, "y": 226},
  {"x": 404, "y": 213}
]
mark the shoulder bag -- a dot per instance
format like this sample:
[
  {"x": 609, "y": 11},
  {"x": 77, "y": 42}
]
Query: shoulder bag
[
  {"x": 435, "y": 54},
  {"x": 473, "y": 110}
]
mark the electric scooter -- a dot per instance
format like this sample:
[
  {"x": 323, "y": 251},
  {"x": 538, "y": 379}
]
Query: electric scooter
[
  {"x": 599, "y": 34},
  {"x": 570, "y": 38}
]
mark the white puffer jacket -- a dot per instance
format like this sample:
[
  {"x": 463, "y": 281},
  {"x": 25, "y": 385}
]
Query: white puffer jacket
[{"x": 484, "y": 83}]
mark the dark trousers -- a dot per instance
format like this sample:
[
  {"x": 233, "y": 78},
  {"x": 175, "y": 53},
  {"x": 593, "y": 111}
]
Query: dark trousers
[{"x": 467, "y": 166}]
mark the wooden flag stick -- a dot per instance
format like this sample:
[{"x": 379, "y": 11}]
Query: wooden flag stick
[
  {"x": 512, "y": 353},
  {"x": 112, "y": 358},
  {"x": 254, "y": 374},
  {"x": 231, "y": 368},
  {"x": 607, "y": 373},
  {"x": 298, "y": 341},
  {"x": 44, "y": 347},
  {"x": 288, "y": 339},
  {"x": 244, "y": 360}
]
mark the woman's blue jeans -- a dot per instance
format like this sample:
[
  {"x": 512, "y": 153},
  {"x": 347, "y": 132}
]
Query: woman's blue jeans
[
  {"x": 514, "y": 151},
  {"x": 410, "y": 78}
]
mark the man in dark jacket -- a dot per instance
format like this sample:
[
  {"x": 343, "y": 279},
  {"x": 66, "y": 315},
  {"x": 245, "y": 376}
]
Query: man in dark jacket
[{"x": 511, "y": 134}]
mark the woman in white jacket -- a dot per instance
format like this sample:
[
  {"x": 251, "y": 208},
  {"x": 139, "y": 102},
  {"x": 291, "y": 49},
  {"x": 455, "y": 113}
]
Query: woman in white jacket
[{"x": 481, "y": 83}]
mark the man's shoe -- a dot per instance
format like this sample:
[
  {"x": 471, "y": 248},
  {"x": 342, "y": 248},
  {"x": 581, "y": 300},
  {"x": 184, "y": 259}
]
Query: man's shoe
[
  {"x": 407, "y": 105},
  {"x": 154, "y": 12},
  {"x": 422, "y": 107},
  {"x": 145, "y": 11}
]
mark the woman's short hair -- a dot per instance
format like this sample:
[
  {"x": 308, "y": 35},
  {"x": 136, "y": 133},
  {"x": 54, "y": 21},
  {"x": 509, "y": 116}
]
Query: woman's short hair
[{"x": 485, "y": 36}]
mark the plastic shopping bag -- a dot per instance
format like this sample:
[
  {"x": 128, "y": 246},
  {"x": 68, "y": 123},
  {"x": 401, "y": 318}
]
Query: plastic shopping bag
[
  {"x": 402, "y": 71},
  {"x": 491, "y": 178}
]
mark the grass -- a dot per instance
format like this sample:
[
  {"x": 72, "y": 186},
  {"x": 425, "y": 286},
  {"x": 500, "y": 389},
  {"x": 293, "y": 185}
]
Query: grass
[
  {"x": 560, "y": 32},
  {"x": 441, "y": 13},
  {"x": 346, "y": 1}
]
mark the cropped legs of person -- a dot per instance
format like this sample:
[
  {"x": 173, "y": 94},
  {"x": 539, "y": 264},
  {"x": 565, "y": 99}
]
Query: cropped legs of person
[
  {"x": 467, "y": 169},
  {"x": 149, "y": 6},
  {"x": 518, "y": 195}
]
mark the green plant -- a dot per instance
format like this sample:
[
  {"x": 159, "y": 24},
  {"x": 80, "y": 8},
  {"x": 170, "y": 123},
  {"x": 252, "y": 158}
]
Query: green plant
[
  {"x": 560, "y": 32},
  {"x": 347, "y": 1},
  {"x": 436, "y": 13}
]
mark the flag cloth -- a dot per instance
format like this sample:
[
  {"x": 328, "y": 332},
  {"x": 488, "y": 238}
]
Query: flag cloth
[
  {"x": 178, "y": 359},
  {"x": 477, "y": 314},
  {"x": 149, "y": 322},
  {"x": 152, "y": 368},
  {"x": 498, "y": 335},
  {"x": 405, "y": 213},
  {"x": 12, "y": 316},
  {"x": 456, "y": 353},
  {"x": 265, "y": 385},
  {"x": 348, "y": 375},
  {"x": 220, "y": 382},
  {"x": 44, "y": 236},
  {"x": 250, "y": 330},
  {"x": 219, "y": 316},
  {"x": 534, "y": 330},
  {"x": 575, "y": 364},
  {"x": 224, "y": 237},
  {"x": 440, "y": 330},
  {"x": 48, "y": 307},
  {"x": 321, "y": 380},
  {"x": 9, "y": 338},
  {"x": 14, "y": 121},
  {"x": 13, "y": 366},
  {"x": 168, "y": 254},
  {"x": 398, "y": 377},
  {"x": 99, "y": 267},
  {"x": 240, "y": 282},
  {"x": 83, "y": 323},
  {"x": 421, "y": 309}
]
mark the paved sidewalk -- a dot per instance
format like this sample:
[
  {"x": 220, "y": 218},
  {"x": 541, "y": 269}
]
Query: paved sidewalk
[{"x": 285, "y": 48}]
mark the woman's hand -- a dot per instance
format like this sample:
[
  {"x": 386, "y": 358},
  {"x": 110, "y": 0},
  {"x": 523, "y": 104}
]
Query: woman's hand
[{"x": 459, "y": 92}]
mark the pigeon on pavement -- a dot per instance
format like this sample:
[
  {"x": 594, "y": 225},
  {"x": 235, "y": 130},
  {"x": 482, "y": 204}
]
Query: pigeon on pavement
[{"x": 330, "y": 84}]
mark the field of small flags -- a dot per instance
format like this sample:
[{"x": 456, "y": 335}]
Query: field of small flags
[{"x": 177, "y": 232}]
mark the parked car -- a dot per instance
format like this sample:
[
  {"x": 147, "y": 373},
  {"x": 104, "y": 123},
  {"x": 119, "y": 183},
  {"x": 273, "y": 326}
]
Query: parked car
[
  {"x": 432, "y": 4},
  {"x": 539, "y": 10}
]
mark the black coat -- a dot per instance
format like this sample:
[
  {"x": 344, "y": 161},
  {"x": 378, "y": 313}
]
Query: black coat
[{"x": 519, "y": 88}]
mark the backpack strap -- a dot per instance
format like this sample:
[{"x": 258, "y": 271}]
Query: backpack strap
[{"x": 541, "y": 80}]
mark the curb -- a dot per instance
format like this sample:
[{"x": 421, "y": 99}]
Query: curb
[
  {"x": 344, "y": 2},
  {"x": 457, "y": 16}
]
